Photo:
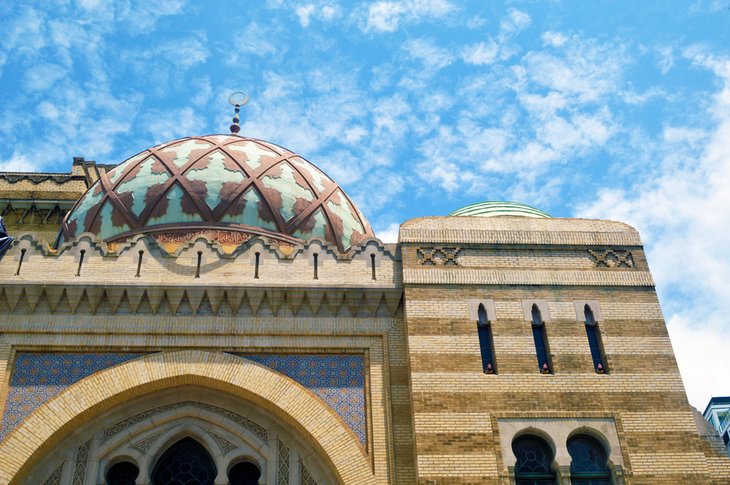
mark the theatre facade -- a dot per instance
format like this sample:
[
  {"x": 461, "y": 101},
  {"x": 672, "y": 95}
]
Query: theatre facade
[{"x": 216, "y": 310}]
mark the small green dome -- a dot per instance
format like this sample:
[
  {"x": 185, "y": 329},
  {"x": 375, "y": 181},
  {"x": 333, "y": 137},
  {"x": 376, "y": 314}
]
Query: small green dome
[{"x": 500, "y": 209}]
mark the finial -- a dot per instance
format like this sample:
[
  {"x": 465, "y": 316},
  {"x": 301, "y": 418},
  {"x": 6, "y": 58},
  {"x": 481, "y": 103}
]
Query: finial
[{"x": 237, "y": 99}]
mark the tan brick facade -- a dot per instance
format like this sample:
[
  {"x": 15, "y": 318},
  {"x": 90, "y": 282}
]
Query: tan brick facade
[{"x": 432, "y": 416}]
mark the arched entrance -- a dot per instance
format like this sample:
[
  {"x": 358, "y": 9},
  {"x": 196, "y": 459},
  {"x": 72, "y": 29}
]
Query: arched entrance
[{"x": 240, "y": 412}]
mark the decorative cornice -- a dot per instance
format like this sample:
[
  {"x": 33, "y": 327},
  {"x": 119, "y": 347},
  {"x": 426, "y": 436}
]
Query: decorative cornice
[
  {"x": 391, "y": 251},
  {"x": 198, "y": 301},
  {"x": 557, "y": 238},
  {"x": 458, "y": 276},
  {"x": 37, "y": 178}
]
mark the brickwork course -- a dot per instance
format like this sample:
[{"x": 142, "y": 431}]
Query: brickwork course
[{"x": 145, "y": 342}]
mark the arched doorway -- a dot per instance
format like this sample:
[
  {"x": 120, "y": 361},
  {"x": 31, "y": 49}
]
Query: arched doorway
[
  {"x": 185, "y": 463},
  {"x": 234, "y": 407}
]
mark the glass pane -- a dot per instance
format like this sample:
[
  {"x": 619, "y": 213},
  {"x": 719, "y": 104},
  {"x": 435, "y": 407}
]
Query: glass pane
[
  {"x": 534, "y": 457},
  {"x": 123, "y": 473},
  {"x": 589, "y": 460},
  {"x": 185, "y": 463},
  {"x": 245, "y": 473}
]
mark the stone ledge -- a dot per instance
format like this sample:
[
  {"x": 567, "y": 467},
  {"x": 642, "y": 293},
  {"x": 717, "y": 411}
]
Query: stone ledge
[{"x": 458, "y": 276}]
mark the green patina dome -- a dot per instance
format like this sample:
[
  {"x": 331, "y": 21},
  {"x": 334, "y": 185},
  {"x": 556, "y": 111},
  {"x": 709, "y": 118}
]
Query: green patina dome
[
  {"x": 221, "y": 183},
  {"x": 500, "y": 209}
]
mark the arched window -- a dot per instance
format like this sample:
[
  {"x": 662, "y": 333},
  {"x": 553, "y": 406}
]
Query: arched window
[
  {"x": 534, "y": 461},
  {"x": 484, "y": 328},
  {"x": 184, "y": 463},
  {"x": 244, "y": 473},
  {"x": 590, "y": 461},
  {"x": 594, "y": 341},
  {"x": 540, "y": 337},
  {"x": 122, "y": 473}
]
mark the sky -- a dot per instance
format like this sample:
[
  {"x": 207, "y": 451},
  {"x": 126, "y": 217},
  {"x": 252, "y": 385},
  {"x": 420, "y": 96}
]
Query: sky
[{"x": 604, "y": 109}]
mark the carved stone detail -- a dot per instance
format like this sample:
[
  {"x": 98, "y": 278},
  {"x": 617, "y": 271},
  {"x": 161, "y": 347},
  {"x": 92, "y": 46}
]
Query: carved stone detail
[
  {"x": 143, "y": 446},
  {"x": 438, "y": 255},
  {"x": 305, "y": 477},
  {"x": 55, "y": 477},
  {"x": 613, "y": 258},
  {"x": 282, "y": 476},
  {"x": 223, "y": 443},
  {"x": 82, "y": 458},
  {"x": 257, "y": 430}
]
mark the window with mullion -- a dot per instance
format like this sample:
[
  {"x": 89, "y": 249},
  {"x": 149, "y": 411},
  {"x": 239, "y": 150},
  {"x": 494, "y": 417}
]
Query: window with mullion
[{"x": 589, "y": 465}]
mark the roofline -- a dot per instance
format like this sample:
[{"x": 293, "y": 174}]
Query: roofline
[{"x": 716, "y": 400}]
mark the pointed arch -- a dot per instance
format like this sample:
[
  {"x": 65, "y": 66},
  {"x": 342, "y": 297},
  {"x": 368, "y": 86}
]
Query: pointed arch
[
  {"x": 185, "y": 461},
  {"x": 486, "y": 341},
  {"x": 594, "y": 341},
  {"x": 306, "y": 413}
]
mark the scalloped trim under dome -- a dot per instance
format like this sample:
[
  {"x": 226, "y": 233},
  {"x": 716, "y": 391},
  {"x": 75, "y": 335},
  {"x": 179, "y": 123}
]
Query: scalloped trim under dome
[
  {"x": 500, "y": 209},
  {"x": 220, "y": 183}
]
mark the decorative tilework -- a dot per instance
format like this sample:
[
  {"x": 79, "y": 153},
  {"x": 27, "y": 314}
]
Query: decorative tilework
[
  {"x": 339, "y": 379},
  {"x": 282, "y": 476},
  {"x": 37, "y": 377}
]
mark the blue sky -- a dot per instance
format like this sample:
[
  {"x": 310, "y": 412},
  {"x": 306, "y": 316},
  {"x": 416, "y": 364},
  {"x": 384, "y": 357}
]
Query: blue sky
[{"x": 613, "y": 109}]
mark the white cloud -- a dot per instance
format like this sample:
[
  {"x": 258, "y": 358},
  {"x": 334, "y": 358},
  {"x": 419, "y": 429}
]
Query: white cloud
[
  {"x": 203, "y": 91},
  {"x": 18, "y": 162},
  {"x": 183, "y": 53},
  {"x": 428, "y": 53},
  {"x": 480, "y": 54},
  {"x": 386, "y": 16},
  {"x": 304, "y": 13},
  {"x": 680, "y": 207},
  {"x": 140, "y": 16},
  {"x": 389, "y": 233},
  {"x": 587, "y": 69},
  {"x": 665, "y": 58},
  {"x": 709, "y": 6},
  {"x": 701, "y": 352},
  {"x": 169, "y": 125},
  {"x": 24, "y": 33},
  {"x": 555, "y": 39},
  {"x": 515, "y": 21},
  {"x": 255, "y": 39},
  {"x": 42, "y": 76}
]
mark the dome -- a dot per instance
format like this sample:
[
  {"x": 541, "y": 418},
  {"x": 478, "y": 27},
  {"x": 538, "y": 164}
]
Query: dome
[
  {"x": 500, "y": 209},
  {"x": 222, "y": 184}
]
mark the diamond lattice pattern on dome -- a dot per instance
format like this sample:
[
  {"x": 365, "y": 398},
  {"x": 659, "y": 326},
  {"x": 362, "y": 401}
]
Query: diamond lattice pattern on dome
[{"x": 218, "y": 182}]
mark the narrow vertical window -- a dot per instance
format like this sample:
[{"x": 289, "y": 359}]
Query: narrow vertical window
[
  {"x": 540, "y": 337},
  {"x": 139, "y": 264},
  {"x": 594, "y": 341},
  {"x": 486, "y": 345}
]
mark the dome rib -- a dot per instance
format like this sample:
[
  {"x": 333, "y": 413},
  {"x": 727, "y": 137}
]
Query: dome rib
[
  {"x": 218, "y": 182},
  {"x": 500, "y": 209}
]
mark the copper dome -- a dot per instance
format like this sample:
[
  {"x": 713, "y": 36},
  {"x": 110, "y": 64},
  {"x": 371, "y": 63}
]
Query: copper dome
[{"x": 218, "y": 182}]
